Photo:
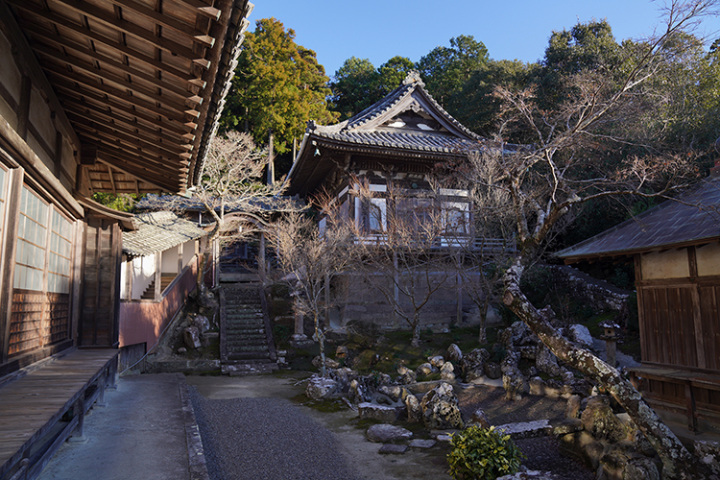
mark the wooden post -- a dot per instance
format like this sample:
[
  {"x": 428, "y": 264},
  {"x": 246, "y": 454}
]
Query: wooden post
[
  {"x": 261, "y": 257},
  {"x": 180, "y": 249},
  {"x": 158, "y": 276},
  {"x": 128, "y": 279},
  {"x": 14, "y": 191},
  {"x": 459, "y": 310}
]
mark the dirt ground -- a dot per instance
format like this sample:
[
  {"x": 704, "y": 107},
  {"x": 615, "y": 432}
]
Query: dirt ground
[{"x": 362, "y": 455}]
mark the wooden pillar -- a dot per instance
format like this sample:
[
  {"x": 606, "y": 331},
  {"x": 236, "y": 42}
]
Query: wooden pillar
[
  {"x": 23, "y": 110},
  {"x": 158, "y": 276},
  {"x": 9, "y": 246},
  {"x": 696, "y": 310},
  {"x": 261, "y": 257},
  {"x": 180, "y": 258},
  {"x": 129, "y": 270}
]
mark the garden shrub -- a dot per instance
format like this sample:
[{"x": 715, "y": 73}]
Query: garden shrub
[{"x": 483, "y": 454}]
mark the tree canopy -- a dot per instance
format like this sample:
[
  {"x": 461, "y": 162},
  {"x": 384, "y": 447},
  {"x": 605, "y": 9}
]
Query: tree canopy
[{"x": 278, "y": 86}]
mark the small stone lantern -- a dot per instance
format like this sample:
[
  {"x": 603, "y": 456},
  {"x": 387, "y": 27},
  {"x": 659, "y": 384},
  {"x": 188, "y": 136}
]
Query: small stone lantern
[{"x": 611, "y": 334}]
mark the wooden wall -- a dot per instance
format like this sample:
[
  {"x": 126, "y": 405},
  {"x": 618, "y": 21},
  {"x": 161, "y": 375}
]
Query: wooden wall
[
  {"x": 679, "y": 308},
  {"x": 101, "y": 288}
]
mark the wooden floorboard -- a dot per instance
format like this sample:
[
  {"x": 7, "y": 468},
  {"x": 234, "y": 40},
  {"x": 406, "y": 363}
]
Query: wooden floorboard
[{"x": 30, "y": 405}]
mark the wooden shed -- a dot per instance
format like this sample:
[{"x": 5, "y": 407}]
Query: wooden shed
[{"x": 676, "y": 251}]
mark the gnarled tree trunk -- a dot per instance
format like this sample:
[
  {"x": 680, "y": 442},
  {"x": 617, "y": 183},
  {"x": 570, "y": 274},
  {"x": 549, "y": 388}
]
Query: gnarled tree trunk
[{"x": 678, "y": 463}]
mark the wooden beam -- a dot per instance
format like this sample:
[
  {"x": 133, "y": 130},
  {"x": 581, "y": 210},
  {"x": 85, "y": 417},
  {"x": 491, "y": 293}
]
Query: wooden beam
[
  {"x": 131, "y": 127},
  {"x": 111, "y": 108},
  {"x": 165, "y": 21},
  {"x": 168, "y": 85},
  {"x": 56, "y": 57},
  {"x": 112, "y": 178},
  {"x": 112, "y": 21},
  {"x": 88, "y": 154},
  {"x": 118, "y": 94},
  {"x": 85, "y": 32},
  {"x": 159, "y": 184},
  {"x": 134, "y": 141},
  {"x": 106, "y": 146}
]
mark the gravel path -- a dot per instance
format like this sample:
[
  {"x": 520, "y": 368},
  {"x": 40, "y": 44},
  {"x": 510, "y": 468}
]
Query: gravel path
[{"x": 265, "y": 438}]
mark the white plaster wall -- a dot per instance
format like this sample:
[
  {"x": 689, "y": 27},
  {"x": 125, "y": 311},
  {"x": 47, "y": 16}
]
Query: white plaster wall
[
  {"x": 668, "y": 264},
  {"x": 170, "y": 261},
  {"x": 143, "y": 269},
  {"x": 708, "y": 260},
  {"x": 188, "y": 252}
]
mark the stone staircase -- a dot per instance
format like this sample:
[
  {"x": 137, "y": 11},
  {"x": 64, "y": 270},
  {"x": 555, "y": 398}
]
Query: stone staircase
[{"x": 246, "y": 345}]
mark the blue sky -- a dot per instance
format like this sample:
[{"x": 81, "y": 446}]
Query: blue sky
[{"x": 511, "y": 29}]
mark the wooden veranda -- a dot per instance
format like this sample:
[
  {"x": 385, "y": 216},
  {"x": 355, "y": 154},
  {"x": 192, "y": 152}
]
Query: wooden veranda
[{"x": 40, "y": 410}]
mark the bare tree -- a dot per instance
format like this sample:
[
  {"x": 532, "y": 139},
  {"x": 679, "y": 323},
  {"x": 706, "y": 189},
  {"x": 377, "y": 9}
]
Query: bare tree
[
  {"x": 540, "y": 184},
  {"x": 310, "y": 260},
  {"x": 399, "y": 249},
  {"x": 230, "y": 181}
]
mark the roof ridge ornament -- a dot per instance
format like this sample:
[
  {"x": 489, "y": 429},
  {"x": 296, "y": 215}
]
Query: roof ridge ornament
[{"x": 413, "y": 76}]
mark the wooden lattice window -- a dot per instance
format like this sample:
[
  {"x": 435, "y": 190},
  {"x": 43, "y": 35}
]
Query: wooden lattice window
[{"x": 31, "y": 242}]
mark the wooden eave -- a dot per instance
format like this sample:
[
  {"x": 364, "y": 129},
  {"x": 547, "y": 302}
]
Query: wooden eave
[
  {"x": 309, "y": 170},
  {"x": 142, "y": 81},
  {"x": 639, "y": 251}
]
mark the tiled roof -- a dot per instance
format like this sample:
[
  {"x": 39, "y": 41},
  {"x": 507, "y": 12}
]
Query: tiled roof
[
  {"x": 158, "y": 231},
  {"x": 364, "y": 128},
  {"x": 692, "y": 218},
  {"x": 428, "y": 142}
]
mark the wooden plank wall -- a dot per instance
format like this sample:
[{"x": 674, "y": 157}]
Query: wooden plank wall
[
  {"x": 101, "y": 289},
  {"x": 669, "y": 334},
  {"x": 37, "y": 320}
]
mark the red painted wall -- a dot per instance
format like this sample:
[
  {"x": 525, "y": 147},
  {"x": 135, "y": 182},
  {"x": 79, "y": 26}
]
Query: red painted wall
[{"x": 142, "y": 321}]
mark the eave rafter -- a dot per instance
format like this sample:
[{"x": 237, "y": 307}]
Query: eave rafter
[{"x": 134, "y": 78}]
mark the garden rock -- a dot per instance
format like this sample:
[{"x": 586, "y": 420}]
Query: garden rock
[
  {"x": 437, "y": 361},
  {"x": 530, "y": 475},
  {"x": 580, "y": 335},
  {"x": 440, "y": 408},
  {"x": 515, "y": 384},
  {"x": 493, "y": 371},
  {"x": 202, "y": 323},
  {"x": 341, "y": 351},
  {"x": 641, "y": 469},
  {"x": 423, "y": 443},
  {"x": 386, "y": 433},
  {"x": 546, "y": 362},
  {"x": 479, "y": 418},
  {"x": 473, "y": 364},
  {"x": 454, "y": 354},
  {"x": 329, "y": 362},
  {"x": 394, "y": 392},
  {"x": 447, "y": 372},
  {"x": 709, "y": 455},
  {"x": 319, "y": 388},
  {"x": 573, "y": 406},
  {"x": 381, "y": 413},
  {"x": 357, "y": 392},
  {"x": 393, "y": 449},
  {"x": 425, "y": 369},
  {"x": 191, "y": 337},
  {"x": 600, "y": 421},
  {"x": 407, "y": 376},
  {"x": 414, "y": 411}
]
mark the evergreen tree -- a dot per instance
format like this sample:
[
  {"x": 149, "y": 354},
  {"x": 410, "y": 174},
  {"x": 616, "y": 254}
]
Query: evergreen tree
[{"x": 278, "y": 87}]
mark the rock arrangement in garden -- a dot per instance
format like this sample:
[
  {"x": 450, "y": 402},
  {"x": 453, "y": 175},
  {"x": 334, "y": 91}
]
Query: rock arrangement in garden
[{"x": 595, "y": 429}]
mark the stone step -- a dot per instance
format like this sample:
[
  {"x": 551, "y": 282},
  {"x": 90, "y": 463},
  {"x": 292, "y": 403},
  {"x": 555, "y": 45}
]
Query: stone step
[
  {"x": 248, "y": 368},
  {"x": 247, "y": 348}
]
